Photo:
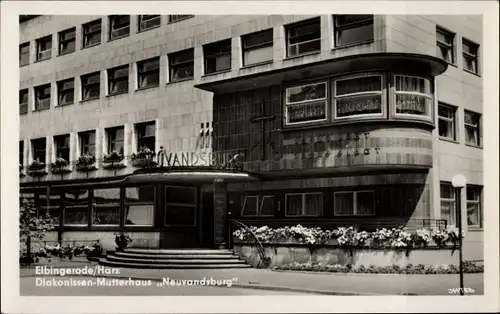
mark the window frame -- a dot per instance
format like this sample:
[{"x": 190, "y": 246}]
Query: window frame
[
  {"x": 468, "y": 55},
  {"x": 110, "y": 141},
  {"x": 220, "y": 44},
  {"x": 430, "y": 97},
  {"x": 113, "y": 80},
  {"x": 62, "y": 41},
  {"x": 451, "y": 201},
  {"x": 476, "y": 127},
  {"x": 87, "y": 86},
  {"x": 61, "y": 92},
  {"x": 288, "y": 29},
  {"x": 245, "y": 48},
  {"x": 303, "y": 209},
  {"x": 141, "y": 21},
  {"x": 58, "y": 148},
  {"x": 82, "y": 145},
  {"x": 27, "y": 53},
  {"x": 112, "y": 24},
  {"x": 138, "y": 127},
  {"x": 478, "y": 202},
  {"x": 339, "y": 28},
  {"x": 305, "y": 102},
  {"x": 23, "y": 106},
  {"x": 37, "y": 90},
  {"x": 178, "y": 19},
  {"x": 124, "y": 218},
  {"x": 92, "y": 203},
  {"x": 87, "y": 32},
  {"x": 174, "y": 66},
  {"x": 194, "y": 205},
  {"x": 355, "y": 203},
  {"x": 382, "y": 93},
  {"x": 450, "y": 46},
  {"x": 35, "y": 152},
  {"x": 452, "y": 120},
  {"x": 39, "y": 42},
  {"x": 142, "y": 73}
]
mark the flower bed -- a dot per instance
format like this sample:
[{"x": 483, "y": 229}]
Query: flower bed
[
  {"x": 468, "y": 267},
  {"x": 347, "y": 246},
  {"x": 69, "y": 251}
]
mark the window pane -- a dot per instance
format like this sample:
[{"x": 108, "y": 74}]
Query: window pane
[
  {"x": 447, "y": 191},
  {"x": 294, "y": 204},
  {"x": 76, "y": 207},
  {"x": 306, "y": 92},
  {"x": 139, "y": 205},
  {"x": 259, "y": 39},
  {"x": 412, "y": 104},
  {"x": 355, "y": 35},
  {"x": 148, "y": 80},
  {"x": 358, "y": 85},
  {"x": 471, "y": 135},
  {"x": 344, "y": 203},
  {"x": 412, "y": 84},
  {"x": 446, "y": 129},
  {"x": 180, "y": 195},
  {"x": 472, "y": 193},
  {"x": 348, "y": 19},
  {"x": 369, "y": 104},
  {"x": 118, "y": 87},
  {"x": 471, "y": 118},
  {"x": 473, "y": 215},
  {"x": 182, "y": 72},
  {"x": 306, "y": 112},
  {"x": 448, "y": 211},
  {"x": 51, "y": 205},
  {"x": 365, "y": 203},
  {"x": 249, "y": 206},
  {"x": 258, "y": 55},
  {"x": 106, "y": 207},
  {"x": 266, "y": 205},
  {"x": 314, "y": 204}
]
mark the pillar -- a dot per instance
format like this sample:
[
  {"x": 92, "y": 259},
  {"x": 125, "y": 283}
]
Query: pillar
[{"x": 220, "y": 214}]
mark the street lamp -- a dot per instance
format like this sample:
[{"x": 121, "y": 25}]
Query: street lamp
[{"x": 458, "y": 183}]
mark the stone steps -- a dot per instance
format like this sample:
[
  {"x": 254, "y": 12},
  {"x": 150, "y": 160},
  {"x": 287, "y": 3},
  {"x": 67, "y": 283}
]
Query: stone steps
[
  {"x": 174, "y": 256},
  {"x": 170, "y": 261},
  {"x": 108, "y": 263}
]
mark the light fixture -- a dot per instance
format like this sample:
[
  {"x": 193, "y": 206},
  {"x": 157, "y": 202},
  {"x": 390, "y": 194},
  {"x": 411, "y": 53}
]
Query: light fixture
[{"x": 459, "y": 181}]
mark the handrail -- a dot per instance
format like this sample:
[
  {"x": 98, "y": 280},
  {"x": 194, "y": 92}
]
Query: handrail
[{"x": 264, "y": 261}]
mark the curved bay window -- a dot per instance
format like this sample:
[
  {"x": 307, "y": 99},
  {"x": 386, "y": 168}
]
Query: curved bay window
[
  {"x": 76, "y": 207},
  {"x": 412, "y": 96},
  {"x": 139, "y": 205},
  {"x": 358, "y": 96},
  {"x": 106, "y": 207},
  {"x": 180, "y": 206},
  {"x": 306, "y": 103}
]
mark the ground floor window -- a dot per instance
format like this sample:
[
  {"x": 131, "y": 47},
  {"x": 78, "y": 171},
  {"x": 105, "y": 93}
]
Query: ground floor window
[
  {"x": 257, "y": 205},
  {"x": 180, "y": 206},
  {"x": 304, "y": 204},
  {"x": 106, "y": 207},
  {"x": 354, "y": 203},
  {"x": 139, "y": 205},
  {"x": 474, "y": 214},
  {"x": 448, "y": 203},
  {"x": 76, "y": 207}
]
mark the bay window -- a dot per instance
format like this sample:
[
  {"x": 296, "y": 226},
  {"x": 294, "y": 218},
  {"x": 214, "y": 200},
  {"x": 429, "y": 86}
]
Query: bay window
[
  {"x": 413, "y": 96},
  {"x": 306, "y": 103},
  {"x": 358, "y": 96}
]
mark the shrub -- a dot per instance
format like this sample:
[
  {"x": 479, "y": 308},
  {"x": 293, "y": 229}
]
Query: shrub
[{"x": 122, "y": 241}]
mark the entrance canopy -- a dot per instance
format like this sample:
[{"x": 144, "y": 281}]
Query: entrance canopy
[{"x": 191, "y": 176}]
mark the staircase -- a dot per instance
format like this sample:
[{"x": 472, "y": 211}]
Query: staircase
[{"x": 174, "y": 259}]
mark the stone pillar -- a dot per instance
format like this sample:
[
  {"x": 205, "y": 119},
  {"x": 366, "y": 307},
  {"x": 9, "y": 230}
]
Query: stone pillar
[{"x": 220, "y": 213}]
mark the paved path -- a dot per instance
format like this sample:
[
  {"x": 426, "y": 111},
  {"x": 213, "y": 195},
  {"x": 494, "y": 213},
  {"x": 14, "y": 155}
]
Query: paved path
[{"x": 325, "y": 283}]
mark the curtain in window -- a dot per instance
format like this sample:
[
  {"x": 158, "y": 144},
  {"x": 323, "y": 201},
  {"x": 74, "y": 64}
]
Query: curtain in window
[
  {"x": 344, "y": 203},
  {"x": 314, "y": 204},
  {"x": 294, "y": 204}
]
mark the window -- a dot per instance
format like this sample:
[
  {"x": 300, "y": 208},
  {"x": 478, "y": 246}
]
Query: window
[
  {"x": 474, "y": 214},
  {"x": 24, "y": 54},
  {"x": 44, "y": 48},
  {"x": 358, "y": 96},
  {"x": 148, "y": 72},
  {"x": 115, "y": 137},
  {"x": 471, "y": 122},
  {"x": 139, "y": 205},
  {"x": 177, "y": 18},
  {"x": 304, "y": 204},
  {"x": 306, "y": 103},
  {"x": 50, "y": 205},
  {"x": 470, "y": 53},
  {"x": 181, "y": 65},
  {"x": 445, "y": 45},
  {"x": 91, "y": 86},
  {"x": 92, "y": 33},
  {"x": 119, "y": 26},
  {"x": 149, "y": 21},
  {"x": 448, "y": 203},
  {"x": 67, "y": 40},
  {"x": 217, "y": 56},
  {"x": 38, "y": 149},
  {"x": 180, "y": 206},
  {"x": 446, "y": 121},
  {"x": 118, "y": 80},
  {"x": 65, "y": 92},
  {"x": 21, "y": 153},
  {"x": 76, "y": 207},
  {"x": 257, "y": 205},
  {"x": 146, "y": 135},
  {"x": 358, "y": 203},
  {"x": 87, "y": 143},
  {"x": 62, "y": 143},
  {"x": 413, "y": 96},
  {"x": 106, "y": 207},
  {"x": 353, "y": 29},
  {"x": 303, "y": 37},
  {"x": 23, "y": 101},
  {"x": 258, "y": 47},
  {"x": 42, "y": 97}
]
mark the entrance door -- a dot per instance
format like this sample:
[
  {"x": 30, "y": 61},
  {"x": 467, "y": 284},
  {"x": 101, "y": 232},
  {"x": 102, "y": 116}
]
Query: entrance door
[
  {"x": 180, "y": 218},
  {"x": 207, "y": 219}
]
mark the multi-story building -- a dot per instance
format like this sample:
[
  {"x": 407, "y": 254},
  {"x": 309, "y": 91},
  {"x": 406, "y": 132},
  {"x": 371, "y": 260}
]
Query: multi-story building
[{"x": 165, "y": 126}]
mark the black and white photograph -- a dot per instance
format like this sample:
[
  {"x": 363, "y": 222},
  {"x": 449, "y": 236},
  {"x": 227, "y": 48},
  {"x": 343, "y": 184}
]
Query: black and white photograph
[{"x": 310, "y": 153}]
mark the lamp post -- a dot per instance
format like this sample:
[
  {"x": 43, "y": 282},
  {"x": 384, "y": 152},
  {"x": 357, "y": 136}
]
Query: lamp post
[{"x": 458, "y": 183}]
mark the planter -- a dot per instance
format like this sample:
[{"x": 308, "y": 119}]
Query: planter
[
  {"x": 113, "y": 164},
  {"x": 37, "y": 173},
  {"x": 61, "y": 170},
  {"x": 86, "y": 168},
  {"x": 144, "y": 163}
]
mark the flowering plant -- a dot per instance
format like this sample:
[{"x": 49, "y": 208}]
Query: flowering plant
[
  {"x": 112, "y": 157},
  {"x": 144, "y": 153},
  {"x": 36, "y": 165},
  {"x": 422, "y": 237},
  {"x": 85, "y": 160},
  {"x": 122, "y": 241},
  {"x": 60, "y": 162}
]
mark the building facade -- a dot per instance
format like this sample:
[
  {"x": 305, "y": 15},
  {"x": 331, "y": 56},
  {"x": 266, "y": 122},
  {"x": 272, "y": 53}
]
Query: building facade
[{"x": 166, "y": 126}]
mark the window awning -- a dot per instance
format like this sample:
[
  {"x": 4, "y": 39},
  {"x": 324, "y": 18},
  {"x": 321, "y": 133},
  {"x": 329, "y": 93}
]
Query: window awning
[{"x": 407, "y": 62}]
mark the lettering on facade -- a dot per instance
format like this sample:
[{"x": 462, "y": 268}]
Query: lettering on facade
[{"x": 191, "y": 159}]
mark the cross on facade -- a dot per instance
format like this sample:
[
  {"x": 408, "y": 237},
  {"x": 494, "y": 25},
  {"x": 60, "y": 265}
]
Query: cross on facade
[{"x": 262, "y": 119}]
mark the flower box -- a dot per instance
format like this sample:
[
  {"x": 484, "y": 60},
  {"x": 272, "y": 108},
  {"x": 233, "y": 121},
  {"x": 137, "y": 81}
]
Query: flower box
[
  {"x": 37, "y": 169},
  {"x": 113, "y": 161},
  {"x": 144, "y": 158},
  {"x": 86, "y": 163},
  {"x": 61, "y": 165}
]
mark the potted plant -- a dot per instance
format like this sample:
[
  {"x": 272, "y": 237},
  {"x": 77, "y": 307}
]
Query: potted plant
[
  {"x": 113, "y": 160},
  {"x": 122, "y": 241},
  {"x": 144, "y": 158},
  {"x": 85, "y": 162},
  {"x": 36, "y": 168},
  {"x": 60, "y": 165}
]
